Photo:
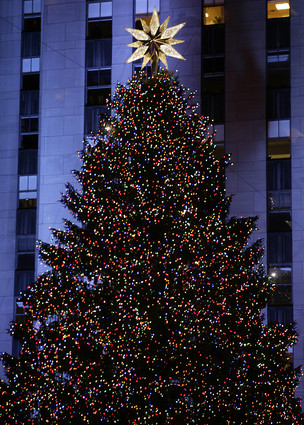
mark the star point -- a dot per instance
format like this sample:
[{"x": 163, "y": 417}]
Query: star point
[{"x": 154, "y": 42}]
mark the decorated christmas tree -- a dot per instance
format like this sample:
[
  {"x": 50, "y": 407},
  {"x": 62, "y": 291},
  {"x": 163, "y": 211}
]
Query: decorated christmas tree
[{"x": 150, "y": 311}]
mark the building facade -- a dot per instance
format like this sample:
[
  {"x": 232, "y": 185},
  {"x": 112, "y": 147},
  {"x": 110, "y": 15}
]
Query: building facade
[{"x": 60, "y": 60}]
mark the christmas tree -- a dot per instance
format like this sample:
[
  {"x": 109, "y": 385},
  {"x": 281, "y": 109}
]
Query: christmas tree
[{"x": 150, "y": 311}]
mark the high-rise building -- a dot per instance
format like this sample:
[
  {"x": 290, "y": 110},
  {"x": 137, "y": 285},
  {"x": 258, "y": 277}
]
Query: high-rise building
[{"x": 59, "y": 61}]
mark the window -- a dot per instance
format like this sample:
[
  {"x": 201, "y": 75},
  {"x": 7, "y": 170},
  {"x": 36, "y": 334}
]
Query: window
[
  {"x": 281, "y": 278},
  {"x": 214, "y": 15},
  {"x": 29, "y": 102},
  {"x": 278, "y": 104},
  {"x": 100, "y": 9},
  {"x": 23, "y": 278},
  {"x": 29, "y": 125},
  {"x": 99, "y": 53},
  {"x": 31, "y": 6},
  {"x": 99, "y": 29},
  {"x": 279, "y": 222},
  {"x": 30, "y": 44},
  {"x": 26, "y": 243},
  {"x": 28, "y": 161},
  {"x": 278, "y": 9},
  {"x": 278, "y": 149},
  {"x": 26, "y": 222},
  {"x": 280, "y": 314},
  {"x": 146, "y": 6},
  {"x": 213, "y": 65},
  {"x": 29, "y": 141},
  {"x": 28, "y": 187},
  {"x": 30, "y": 65},
  {"x": 279, "y": 248},
  {"x": 32, "y": 24},
  {"x": 213, "y": 98},
  {"x": 213, "y": 40},
  {"x": 98, "y": 77},
  {"x": 92, "y": 118},
  {"x": 278, "y": 129},
  {"x": 279, "y": 175},
  {"x": 25, "y": 261},
  {"x": 98, "y": 96},
  {"x": 30, "y": 82},
  {"x": 278, "y": 34}
]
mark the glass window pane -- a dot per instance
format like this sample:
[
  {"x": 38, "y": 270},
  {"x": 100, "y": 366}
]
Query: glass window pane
[
  {"x": 279, "y": 148},
  {"x": 284, "y": 128},
  {"x": 23, "y": 278},
  {"x": 153, "y": 4},
  {"x": 94, "y": 10},
  {"x": 23, "y": 182},
  {"x": 26, "y": 222},
  {"x": 26, "y": 65},
  {"x": 32, "y": 182},
  {"x": 27, "y": 162},
  {"x": 214, "y": 15},
  {"x": 28, "y": 6},
  {"x": 278, "y": 9},
  {"x": 106, "y": 9},
  {"x": 141, "y": 6},
  {"x": 36, "y": 6}
]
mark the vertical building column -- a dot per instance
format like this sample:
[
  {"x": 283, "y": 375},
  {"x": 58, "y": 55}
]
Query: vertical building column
[
  {"x": 10, "y": 66},
  {"x": 189, "y": 71},
  {"x": 62, "y": 106},
  {"x": 123, "y": 17},
  {"x": 245, "y": 123},
  {"x": 297, "y": 170}
]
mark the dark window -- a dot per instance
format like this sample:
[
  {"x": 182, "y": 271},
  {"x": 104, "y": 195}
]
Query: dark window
[
  {"x": 98, "y": 53},
  {"x": 25, "y": 261},
  {"x": 23, "y": 278},
  {"x": 278, "y": 77},
  {"x": 213, "y": 65},
  {"x": 29, "y": 141},
  {"x": 98, "y": 96},
  {"x": 278, "y": 34},
  {"x": 26, "y": 243},
  {"x": 279, "y": 222},
  {"x": 99, "y": 29},
  {"x": 32, "y": 24},
  {"x": 280, "y": 314},
  {"x": 213, "y": 98},
  {"x": 29, "y": 125},
  {"x": 30, "y": 82},
  {"x": 213, "y": 39},
  {"x": 278, "y": 104},
  {"x": 93, "y": 115},
  {"x": 279, "y": 248},
  {"x": 28, "y": 159},
  {"x": 30, "y": 44},
  {"x": 98, "y": 77},
  {"x": 279, "y": 174},
  {"x": 281, "y": 295},
  {"x": 29, "y": 102},
  {"x": 27, "y": 203},
  {"x": 26, "y": 222}
]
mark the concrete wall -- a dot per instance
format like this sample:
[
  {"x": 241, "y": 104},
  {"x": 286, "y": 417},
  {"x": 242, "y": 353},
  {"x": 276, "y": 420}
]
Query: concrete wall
[
  {"x": 297, "y": 164},
  {"x": 62, "y": 106},
  {"x": 10, "y": 48},
  {"x": 245, "y": 126}
]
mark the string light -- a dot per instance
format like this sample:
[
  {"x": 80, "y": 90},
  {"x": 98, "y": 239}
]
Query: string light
[{"x": 151, "y": 310}]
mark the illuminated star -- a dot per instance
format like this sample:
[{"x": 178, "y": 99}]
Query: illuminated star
[{"x": 154, "y": 42}]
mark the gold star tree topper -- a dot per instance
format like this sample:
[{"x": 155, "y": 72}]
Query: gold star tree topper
[{"x": 154, "y": 42}]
